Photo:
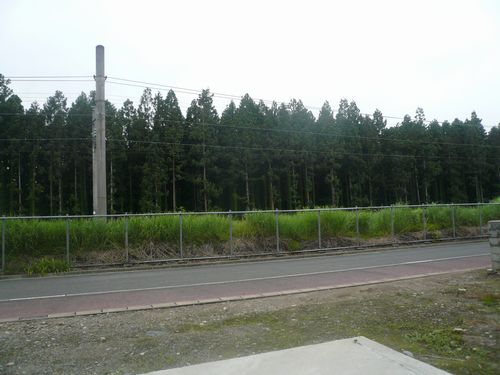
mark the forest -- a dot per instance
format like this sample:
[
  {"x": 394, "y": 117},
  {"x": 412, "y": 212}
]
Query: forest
[{"x": 253, "y": 155}]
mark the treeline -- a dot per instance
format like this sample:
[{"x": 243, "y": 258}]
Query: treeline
[{"x": 251, "y": 156}]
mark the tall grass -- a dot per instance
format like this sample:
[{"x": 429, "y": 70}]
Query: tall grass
[{"x": 39, "y": 238}]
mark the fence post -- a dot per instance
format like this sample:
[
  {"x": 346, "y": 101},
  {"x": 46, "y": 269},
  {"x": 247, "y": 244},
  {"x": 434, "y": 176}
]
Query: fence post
[
  {"x": 392, "y": 225},
  {"x": 230, "y": 217},
  {"x": 180, "y": 235},
  {"x": 424, "y": 221},
  {"x": 319, "y": 229},
  {"x": 453, "y": 221},
  {"x": 277, "y": 233},
  {"x": 3, "y": 243},
  {"x": 126, "y": 237},
  {"x": 67, "y": 238},
  {"x": 357, "y": 226},
  {"x": 480, "y": 218}
]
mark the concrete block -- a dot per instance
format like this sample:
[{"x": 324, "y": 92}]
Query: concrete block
[
  {"x": 88, "y": 312},
  {"x": 61, "y": 315},
  {"x": 163, "y": 305},
  {"x": 138, "y": 308},
  {"x": 208, "y": 301},
  {"x": 354, "y": 356},
  {"x": 114, "y": 309},
  {"x": 494, "y": 228}
]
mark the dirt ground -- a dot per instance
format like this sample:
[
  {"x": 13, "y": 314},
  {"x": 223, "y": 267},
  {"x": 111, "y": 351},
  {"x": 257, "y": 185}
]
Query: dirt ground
[{"x": 450, "y": 321}]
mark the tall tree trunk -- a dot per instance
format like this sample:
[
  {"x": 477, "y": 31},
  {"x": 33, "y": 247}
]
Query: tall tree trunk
[
  {"x": 370, "y": 190},
  {"x": 156, "y": 196},
  {"x": 174, "y": 202},
  {"x": 33, "y": 188},
  {"x": 84, "y": 188},
  {"x": 19, "y": 185},
  {"x": 349, "y": 198},
  {"x": 166, "y": 196},
  {"x": 332, "y": 188},
  {"x": 271, "y": 188},
  {"x": 205, "y": 196},
  {"x": 308, "y": 201},
  {"x": 416, "y": 185},
  {"x": 51, "y": 178},
  {"x": 60, "y": 194},
  {"x": 313, "y": 189},
  {"x": 75, "y": 190},
  {"x": 477, "y": 188},
  {"x": 195, "y": 196},
  {"x": 111, "y": 187},
  {"x": 247, "y": 188},
  {"x": 426, "y": 184},
  {"x": 130, "y": 197}
]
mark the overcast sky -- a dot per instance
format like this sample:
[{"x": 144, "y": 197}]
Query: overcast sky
[{"x": 443, "y": 56}]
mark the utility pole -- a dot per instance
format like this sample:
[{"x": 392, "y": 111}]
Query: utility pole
[
  {"x": 94, "y": 164},
  {"x": 99, "y": 159}
]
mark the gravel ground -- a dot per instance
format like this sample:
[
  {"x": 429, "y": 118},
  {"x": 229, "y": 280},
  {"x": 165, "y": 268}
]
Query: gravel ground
[{"x": 451, "y": 321}]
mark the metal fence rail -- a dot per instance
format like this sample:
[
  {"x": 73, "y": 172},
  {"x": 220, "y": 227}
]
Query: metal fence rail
[{"x": 320, "y": 243}]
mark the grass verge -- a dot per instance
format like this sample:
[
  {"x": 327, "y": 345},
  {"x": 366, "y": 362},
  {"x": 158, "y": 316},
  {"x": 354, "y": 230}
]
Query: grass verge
[{"x": 28, "y": 241}]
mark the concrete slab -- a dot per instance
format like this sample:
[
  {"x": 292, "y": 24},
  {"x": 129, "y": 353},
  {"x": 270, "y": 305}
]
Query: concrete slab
[{"x": 354, "y": 356}]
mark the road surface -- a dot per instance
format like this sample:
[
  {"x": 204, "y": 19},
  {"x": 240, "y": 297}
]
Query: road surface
[{"x": 26, "y": 298}]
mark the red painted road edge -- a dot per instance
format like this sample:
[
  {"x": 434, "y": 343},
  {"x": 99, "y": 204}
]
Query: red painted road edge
[{"x": 192, "y": 295}]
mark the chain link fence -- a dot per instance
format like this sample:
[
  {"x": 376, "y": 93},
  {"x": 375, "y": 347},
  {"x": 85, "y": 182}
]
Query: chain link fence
[{"x": 121, "y": 239}]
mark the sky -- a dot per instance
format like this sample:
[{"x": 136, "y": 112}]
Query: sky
[{"x": 395, "y": 56}]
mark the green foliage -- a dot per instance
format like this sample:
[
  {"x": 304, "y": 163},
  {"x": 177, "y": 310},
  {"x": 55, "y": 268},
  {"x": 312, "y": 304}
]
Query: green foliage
[
  {"x": 338, "y": 223},
  {"x": 443, "y": 341},
  {"x": 491, "y": 212},
  {"x": 254, "y": 156},
  {"x": 29, "y": 239},
  {"x": 47, "y": 265},
  {"x": 490, "y": 300},
  {"x": 255, "y": 225},
  {"x": 35, "y": 237},
  {"x": 199, "y": 229},
  {"x": 438, "y": 218},
  {"x": 299, "y": 226}
]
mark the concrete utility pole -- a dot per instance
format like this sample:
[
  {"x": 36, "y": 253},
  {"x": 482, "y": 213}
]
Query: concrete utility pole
[
  {"x": 94, "y": 165},
  {"x": 99, "y": 156}
]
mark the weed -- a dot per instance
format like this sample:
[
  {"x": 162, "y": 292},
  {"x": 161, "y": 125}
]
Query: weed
[
  {"x": 32, "y": 239},
  {"x": 490, "y": 300},
  {"x": 443, "y": 341},
  {"x": 47, "y": 265}
]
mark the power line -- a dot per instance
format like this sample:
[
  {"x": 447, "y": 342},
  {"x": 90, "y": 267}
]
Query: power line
[
  {"x": 45, "y": 115},
  {"x": 297, "y": 151},
  {"x": 46, "y": 77},
  {"x": 50, "y": 80},
  {"x": 381, "y": 138},
  {"x": 283, "y": 131},
  {"x": 159, "y": 86},
  {"x": 261, "y": 149},
  {"x": 162, "y": 87},
  {"x": 42, "y": 139}
]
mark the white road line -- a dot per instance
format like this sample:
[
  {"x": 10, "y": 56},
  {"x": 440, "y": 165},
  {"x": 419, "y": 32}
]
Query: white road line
[
  {"x": 239, "y": 281},
  {"x": 329, "y": 253}
]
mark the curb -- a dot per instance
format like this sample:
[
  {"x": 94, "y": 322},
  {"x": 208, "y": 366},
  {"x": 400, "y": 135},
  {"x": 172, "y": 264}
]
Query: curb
[
  {"x": 230, "y": 298},
  {"x": 166, "y": 264}
]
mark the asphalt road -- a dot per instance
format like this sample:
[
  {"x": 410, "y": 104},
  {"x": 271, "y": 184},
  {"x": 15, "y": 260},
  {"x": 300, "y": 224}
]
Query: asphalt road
[{"x": 111, "y": 291}]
